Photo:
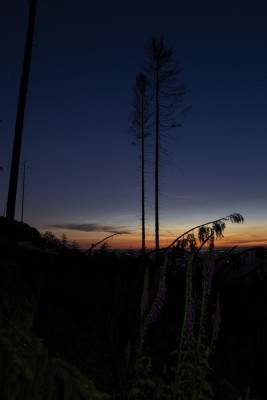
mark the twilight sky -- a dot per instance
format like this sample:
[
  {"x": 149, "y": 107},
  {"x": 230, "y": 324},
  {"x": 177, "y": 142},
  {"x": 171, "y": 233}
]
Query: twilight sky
[{"x": 83, "y": 173}]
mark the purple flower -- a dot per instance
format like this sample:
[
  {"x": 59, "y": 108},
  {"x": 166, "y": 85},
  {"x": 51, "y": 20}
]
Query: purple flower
[
  {"x": 209, "y": 278},
  {"x": 159, "y": 302},
  {"x": 216, "y": 321},
  {"x": 190, "y": 322}
]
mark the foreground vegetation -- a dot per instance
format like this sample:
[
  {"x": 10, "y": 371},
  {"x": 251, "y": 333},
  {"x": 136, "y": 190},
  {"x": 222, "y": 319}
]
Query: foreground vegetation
[{"x": 99, "y": 326}]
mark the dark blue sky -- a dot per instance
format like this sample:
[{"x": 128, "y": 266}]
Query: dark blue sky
[{"x": 83, "y": 170}]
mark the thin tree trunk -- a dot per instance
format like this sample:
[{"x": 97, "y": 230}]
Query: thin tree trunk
[
  {"x": 13, "y": 180},
  {"x": 140, "y": 118},
  {"x": 157, "y": 169},
  {"x": 166, "y": 95},
  {"x": 143, "y": 179}
]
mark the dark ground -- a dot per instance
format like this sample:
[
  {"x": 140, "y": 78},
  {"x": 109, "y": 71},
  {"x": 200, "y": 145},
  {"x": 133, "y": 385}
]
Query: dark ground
[{"x": 86, "y": 308}]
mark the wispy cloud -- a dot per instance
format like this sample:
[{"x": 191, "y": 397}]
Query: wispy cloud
[
  {"x": 179, "y": 196},
  {"x": 93, "y": 227}
]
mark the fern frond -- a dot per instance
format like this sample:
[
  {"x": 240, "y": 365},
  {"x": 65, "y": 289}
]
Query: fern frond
[
  {"x": 235, "y": 218},
  {"x": 204, "y": 230}
]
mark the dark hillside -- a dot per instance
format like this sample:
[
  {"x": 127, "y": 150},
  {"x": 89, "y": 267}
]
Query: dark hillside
[{"x": 65, "y": 314}]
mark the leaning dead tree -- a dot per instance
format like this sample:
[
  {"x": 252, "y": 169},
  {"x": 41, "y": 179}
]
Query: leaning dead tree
[{"x": 14, "y": 172}]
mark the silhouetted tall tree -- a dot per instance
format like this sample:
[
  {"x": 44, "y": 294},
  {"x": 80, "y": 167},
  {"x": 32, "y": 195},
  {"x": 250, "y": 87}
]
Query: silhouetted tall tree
[
  {"x": 13, "y": 180},
  {"x": 139, "y": 127},
  {"x": 166, "y": 96}
]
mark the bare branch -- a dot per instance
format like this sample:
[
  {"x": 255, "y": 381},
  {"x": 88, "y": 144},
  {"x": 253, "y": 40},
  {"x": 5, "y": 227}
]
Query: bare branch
[{"x": 89, "y": 251}]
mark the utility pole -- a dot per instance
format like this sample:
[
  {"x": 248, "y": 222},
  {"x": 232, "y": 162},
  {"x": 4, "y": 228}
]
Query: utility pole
[
  {"x": 13, "y": 180},
  {"x": 1, "y": 168},
  {"x": 23, "y": 190}
]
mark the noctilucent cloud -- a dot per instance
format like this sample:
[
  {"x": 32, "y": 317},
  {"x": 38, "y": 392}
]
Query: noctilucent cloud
[{"x": 82, "y": 174}]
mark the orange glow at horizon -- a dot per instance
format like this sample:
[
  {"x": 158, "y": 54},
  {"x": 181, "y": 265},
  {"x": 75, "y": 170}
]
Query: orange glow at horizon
[
  {"x": 234, "y": 235},
  {"x": 136, "y": 244}
]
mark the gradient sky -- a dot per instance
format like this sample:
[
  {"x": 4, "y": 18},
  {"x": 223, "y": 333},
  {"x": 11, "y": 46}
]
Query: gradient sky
[{"x": 83, "y": 173}]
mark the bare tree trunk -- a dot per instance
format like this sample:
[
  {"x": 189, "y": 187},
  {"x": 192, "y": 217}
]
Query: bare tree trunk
[
  {"x": 13, "y": 180},
  {"x": 139, "y": 127},
  {"x": 157, "y": 166},
  {"x": 167, "y": 94},
  {"x": 143, "y": 178}
]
